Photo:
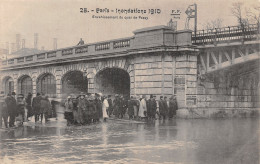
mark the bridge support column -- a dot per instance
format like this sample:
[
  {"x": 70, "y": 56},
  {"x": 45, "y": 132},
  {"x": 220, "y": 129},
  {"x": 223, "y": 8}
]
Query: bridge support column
[{"x": 185, "y": 83}]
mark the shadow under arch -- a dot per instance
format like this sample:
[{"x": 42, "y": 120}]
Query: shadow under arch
[
  {"x": 74, "y": 82},
  {"x": 8, "y": 85},
  {"x": 25, "y": 85},
  {"x": 46, "y": 83},
  {"x": 111, "y": 81}
]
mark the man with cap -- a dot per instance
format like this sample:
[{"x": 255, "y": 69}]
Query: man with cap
[
  {"x": 36, "y": 106},
  {"x": 3, "y": 110},
  {"x": 11, "y": 107}
]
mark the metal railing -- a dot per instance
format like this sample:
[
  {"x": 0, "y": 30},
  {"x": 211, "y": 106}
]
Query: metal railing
[{"x": 226, "y": 34}]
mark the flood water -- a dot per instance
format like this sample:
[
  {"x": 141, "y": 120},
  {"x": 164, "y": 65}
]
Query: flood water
[{"x": 180, "y": 141}]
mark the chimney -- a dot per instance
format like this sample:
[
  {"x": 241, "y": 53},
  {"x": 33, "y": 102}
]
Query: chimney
[
  {"x": 23, "y": 43},
  {"x": 55, "y": 43},
  {"x": 18, "y": 42},
  {"x": 35, "y": 40}
]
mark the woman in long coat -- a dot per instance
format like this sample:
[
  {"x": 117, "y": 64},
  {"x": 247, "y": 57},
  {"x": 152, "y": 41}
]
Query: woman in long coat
[
  {"x": 142, "y": 108},
  {"x": 105, "y": 107}
]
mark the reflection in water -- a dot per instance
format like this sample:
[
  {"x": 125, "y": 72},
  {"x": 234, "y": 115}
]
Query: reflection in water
[{"x": 173, "y": 141}]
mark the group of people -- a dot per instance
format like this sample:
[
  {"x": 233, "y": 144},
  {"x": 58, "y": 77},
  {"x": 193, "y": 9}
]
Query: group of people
[
  {"x": 90, "y": 108},
  {"x": 85, "y": 108},
  {"x": 147, "y": 109},
  {"x": 19, "y": 108}
]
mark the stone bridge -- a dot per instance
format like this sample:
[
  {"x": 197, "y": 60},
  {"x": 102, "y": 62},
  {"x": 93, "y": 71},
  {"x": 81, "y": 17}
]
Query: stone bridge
[{"x": 213, "y": 74}]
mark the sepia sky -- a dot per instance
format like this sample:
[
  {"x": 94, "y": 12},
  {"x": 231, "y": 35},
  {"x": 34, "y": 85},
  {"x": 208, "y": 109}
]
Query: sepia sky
[{"x": 62, "y": 19}]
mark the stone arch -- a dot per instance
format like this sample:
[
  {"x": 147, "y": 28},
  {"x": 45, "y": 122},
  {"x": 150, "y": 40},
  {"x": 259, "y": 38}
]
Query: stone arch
[
  {"x": 8, "y": 84},
  {"x": 46, "y": 83},
  {"x": 112, "y": 80},
  {"x": 73, "y": 82},
  {"x": 25, "y": 84}
]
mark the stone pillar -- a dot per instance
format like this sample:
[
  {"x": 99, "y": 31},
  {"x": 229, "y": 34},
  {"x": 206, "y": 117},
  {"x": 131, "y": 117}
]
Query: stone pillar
[{"x": 185, "y": 83}]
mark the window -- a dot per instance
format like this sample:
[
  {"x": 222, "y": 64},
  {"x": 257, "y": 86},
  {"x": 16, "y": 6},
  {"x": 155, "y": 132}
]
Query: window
[
  {"x": 25, "y": 85},
  {"x": 47, "y": 85}
]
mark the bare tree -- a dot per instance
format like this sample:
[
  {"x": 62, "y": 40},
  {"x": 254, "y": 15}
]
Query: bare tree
[
  {"x": 237, "y": 10},
  {"x": 254, "y": 14},
  {"x": 217, "y": 23}
]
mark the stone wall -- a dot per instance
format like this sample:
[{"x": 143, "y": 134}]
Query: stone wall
[{"x": 233, "y": 93}]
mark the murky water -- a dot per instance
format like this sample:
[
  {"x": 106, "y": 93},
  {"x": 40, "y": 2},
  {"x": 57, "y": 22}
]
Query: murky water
[{"x": 174, "y": 141}]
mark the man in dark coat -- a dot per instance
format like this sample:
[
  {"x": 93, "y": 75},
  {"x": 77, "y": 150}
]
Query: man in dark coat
[
  {"x": 116, "y": 106},
  {"x": 3, "y": 111},
  {"x": 131, "y": 104},
  {"x": 151, "y": 107},
  {"x": 28, "y": 101},
  {"x": 36, "y": 106},
  {"x": 110, "y": 108},
  {"x": 98, "y": 112},
  {"x": 91, "y": 108},
  {"x": 11, "y": 108},
  {"x": 162, "y": 109},
  {"x": 165, "y": 103},
  {"x": 173, "y": 106}
]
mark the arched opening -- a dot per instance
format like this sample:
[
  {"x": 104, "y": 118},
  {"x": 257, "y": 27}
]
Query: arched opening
[
  {"x": 8, "y": 85},
  {"x": 74, "y": 82},
  {"x": 25, "y": 85},
  {"x": 111, "y": 81},
  {"x": 47, "y": 84}
]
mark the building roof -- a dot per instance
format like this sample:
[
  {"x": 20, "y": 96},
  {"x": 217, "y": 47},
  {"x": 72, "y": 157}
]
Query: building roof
[{"x": 24, "y": 52}]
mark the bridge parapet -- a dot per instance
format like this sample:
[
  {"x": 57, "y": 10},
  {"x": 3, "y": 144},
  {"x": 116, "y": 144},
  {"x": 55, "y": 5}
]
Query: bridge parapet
[
  {"x": 153, "y": 37},
  {"x": 226, "y": 35}
]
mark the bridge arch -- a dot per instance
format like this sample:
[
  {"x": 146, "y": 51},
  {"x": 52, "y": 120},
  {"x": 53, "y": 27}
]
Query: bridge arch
[
  {"x": 111, "y": 81},
  {"x": 25, "y": 85},
  {"x": 46, "y": 83},
  {"x": 8, "y": 85},
  {"x": 73, "y": 82}
]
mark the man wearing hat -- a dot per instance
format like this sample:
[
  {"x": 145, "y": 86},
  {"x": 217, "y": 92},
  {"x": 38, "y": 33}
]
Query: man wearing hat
[
  {"x": 81, "y": 108},
  {"x": 173, "y": 106},
  {"x": 116, "y": 103},
  {"x": 3, "y": 110},
  {"x": 151, "y": 107},
  {"x": 11, "y": 108},
  {"x": 162, "y": 109},
  {"x": 21, "y": 106},
  {"x": 36, "y": 106},
  {"x": 98, "y": 112}
]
